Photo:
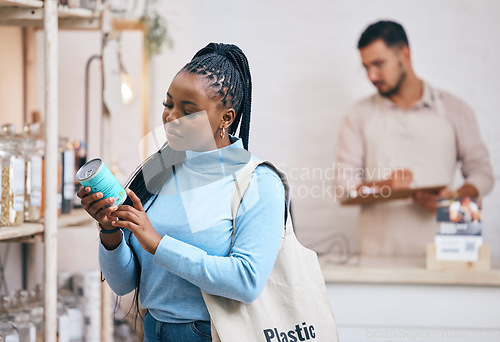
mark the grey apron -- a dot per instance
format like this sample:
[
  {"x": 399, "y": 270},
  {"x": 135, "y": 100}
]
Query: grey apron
[{"x": 422, "y": 142}]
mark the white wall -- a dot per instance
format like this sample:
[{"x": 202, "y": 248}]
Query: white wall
[
  {"x": 307, "y": 72},
  {"x": 75, "y": 49},
  {"x": 11, "y": 72}
]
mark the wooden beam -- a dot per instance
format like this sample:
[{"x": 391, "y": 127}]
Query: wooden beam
[
  {"x": 128, "y": 25},
  {"x": 51, "y": 143},
  {"x": 30, "y": 74},
  {"x": 145, "y": 95}
]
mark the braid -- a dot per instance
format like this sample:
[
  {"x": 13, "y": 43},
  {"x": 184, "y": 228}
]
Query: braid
[{"x": 226, "y": 67}]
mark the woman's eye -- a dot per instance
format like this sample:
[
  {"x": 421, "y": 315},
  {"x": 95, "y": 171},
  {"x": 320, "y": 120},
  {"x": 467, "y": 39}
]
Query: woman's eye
[{"x": 169, "y": 106}]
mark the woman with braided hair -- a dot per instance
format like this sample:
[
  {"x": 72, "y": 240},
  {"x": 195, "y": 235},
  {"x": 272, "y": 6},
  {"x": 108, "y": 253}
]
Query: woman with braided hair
[{"x": 172, "y": 236}]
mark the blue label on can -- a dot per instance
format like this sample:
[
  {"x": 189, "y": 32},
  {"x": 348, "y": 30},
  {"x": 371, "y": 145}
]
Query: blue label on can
[{"x": 104, "y": 181}]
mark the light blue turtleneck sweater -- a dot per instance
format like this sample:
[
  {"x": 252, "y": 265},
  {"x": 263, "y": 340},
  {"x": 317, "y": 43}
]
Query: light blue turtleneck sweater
[{"x": 193, "y": 214}]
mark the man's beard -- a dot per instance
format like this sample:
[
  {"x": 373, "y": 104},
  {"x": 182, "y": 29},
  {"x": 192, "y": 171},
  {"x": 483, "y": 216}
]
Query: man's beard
[{"x": 394, "y": 90}]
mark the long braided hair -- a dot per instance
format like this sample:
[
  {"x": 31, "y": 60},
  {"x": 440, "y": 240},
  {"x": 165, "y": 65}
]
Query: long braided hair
[{"x": 226, "y": 68}]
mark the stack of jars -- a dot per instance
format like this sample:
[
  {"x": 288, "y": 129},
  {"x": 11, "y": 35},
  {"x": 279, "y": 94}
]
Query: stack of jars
[
  {"x": 13, "y": 176},
  {"x": 22, "y": 172},
  {"x": 21, "y": 317},
  {"x": 21, "y": 177}
]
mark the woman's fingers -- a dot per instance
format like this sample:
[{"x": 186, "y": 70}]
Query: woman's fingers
[
  {"x": 104, "y": 215},
  {"x": 125, "y": 224},
  {"x": 83, "y": 192},
  {"x": 129, "y": 208},
  {"x": 96, "y": 206},
  {"x": 135, "y": 200},
  {"x": 91, "y": 198},
  {"x": 126, "y": 213}
]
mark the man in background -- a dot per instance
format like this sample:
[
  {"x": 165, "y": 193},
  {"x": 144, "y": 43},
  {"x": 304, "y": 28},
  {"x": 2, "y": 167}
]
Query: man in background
[{"x": 407, "y": 134}]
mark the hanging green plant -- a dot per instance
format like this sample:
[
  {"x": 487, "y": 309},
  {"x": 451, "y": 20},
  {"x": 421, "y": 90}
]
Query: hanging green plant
[{"x": 157, "y": 35}]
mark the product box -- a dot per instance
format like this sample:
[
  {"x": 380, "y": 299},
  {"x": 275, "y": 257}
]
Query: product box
[{"x": 459, "y": 235}]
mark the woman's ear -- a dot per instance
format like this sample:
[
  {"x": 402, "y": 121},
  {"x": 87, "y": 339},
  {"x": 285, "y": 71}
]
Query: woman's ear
[{"x": 228, "y": 117}]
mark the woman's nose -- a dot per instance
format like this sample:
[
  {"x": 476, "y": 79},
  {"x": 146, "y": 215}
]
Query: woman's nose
[{"x": 172, "y": 118}]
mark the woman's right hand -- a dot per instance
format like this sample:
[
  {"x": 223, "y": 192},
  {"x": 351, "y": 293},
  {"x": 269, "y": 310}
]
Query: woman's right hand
[{"x": 94, "y": 205}]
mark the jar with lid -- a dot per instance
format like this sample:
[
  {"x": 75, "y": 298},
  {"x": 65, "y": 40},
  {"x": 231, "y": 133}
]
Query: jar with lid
[
  {"x": 75, "y": 315},
  {"x": 36, "y": 314},
  {"x": 8, "y": 333},
  {"x": 20, "y": 311},
  {"x": 19, "y": 176},
  {"x": 25, "y": 327},
  {"x": 7, "y": 161},
  {"x": 5, "y": 307},
  {"x": 63, "y": 324},
  {"x": 8, "y": 129},
  {"x": 32, "y": 179},
  {"x": 68, "y": 174}
]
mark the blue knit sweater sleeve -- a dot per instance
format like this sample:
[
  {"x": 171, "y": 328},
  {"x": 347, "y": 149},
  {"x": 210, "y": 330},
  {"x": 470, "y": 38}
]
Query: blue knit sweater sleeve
[
  {"x": 118, "y": 267},
  {"x": 243, "y": 274}
]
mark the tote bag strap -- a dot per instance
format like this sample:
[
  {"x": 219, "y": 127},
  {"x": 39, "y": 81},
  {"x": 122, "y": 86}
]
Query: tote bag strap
[{"x": 241, "y": 184}]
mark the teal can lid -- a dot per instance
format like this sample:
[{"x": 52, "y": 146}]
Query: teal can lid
[{"x": 89, "y": 170}]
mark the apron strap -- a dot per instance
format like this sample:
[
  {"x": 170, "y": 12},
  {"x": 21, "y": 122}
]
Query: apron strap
[{"x": 438, "y": 101}]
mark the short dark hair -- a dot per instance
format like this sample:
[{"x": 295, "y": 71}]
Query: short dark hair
[{"x": 392, "y": 33}]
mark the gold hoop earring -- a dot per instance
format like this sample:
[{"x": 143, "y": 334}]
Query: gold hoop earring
[{"x": 222, "y": 133}]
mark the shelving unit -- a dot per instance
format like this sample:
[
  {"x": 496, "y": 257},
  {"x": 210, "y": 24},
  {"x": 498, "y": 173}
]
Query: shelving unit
[{"x": 50, "y": 17}]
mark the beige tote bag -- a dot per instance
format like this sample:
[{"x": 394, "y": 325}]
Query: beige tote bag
[{"x": 293, "y": 306}]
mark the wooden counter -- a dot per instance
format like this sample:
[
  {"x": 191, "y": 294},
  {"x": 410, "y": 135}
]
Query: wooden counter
[{"x": 402, "y": 271}]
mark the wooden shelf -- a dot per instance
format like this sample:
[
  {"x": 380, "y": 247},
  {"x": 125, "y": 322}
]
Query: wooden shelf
[
  {"x": 83, "y": 13},
  {"x": 28, "y": 232},
  {"x": 16, "y": 232},
  {"x": 30, "y": 13},
  {"x": 72, "y": 18},
  {"x": 22, "y": 3}
]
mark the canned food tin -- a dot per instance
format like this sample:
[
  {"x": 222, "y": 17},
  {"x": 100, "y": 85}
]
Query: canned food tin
[{"x": 97, "y": 176}]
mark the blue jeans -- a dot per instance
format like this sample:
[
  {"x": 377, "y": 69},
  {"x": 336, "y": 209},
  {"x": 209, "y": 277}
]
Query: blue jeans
[{"x": 156, "y": 331}]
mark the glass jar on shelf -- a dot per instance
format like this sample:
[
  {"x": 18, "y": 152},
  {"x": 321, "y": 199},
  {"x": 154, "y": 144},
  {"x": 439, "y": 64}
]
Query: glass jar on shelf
[
  {"x": 36, "y": 314},
  {"x": 8, "y": 129},
  {"x": 74, "y": 312},
  {"x": 25, "y": 327},
  {"x": 63, "y": 324},
  {"x": 8, "y": 333},
  {"x": 68, "y": 174},
  {"x": 35, "y": 306},
  {"x": 7, "y": 161},
  {"x": 34, "y": 131},
  {"x": 32, "y": 179},
  {"x": 20, "y": 311},
  {"x": 19, "y": 177}
]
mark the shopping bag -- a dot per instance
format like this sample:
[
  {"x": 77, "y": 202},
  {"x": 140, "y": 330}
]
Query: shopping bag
[{"x": 294, "y": 304}]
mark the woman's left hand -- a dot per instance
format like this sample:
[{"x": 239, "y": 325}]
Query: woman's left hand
[{"x": 137, "y": 221}]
